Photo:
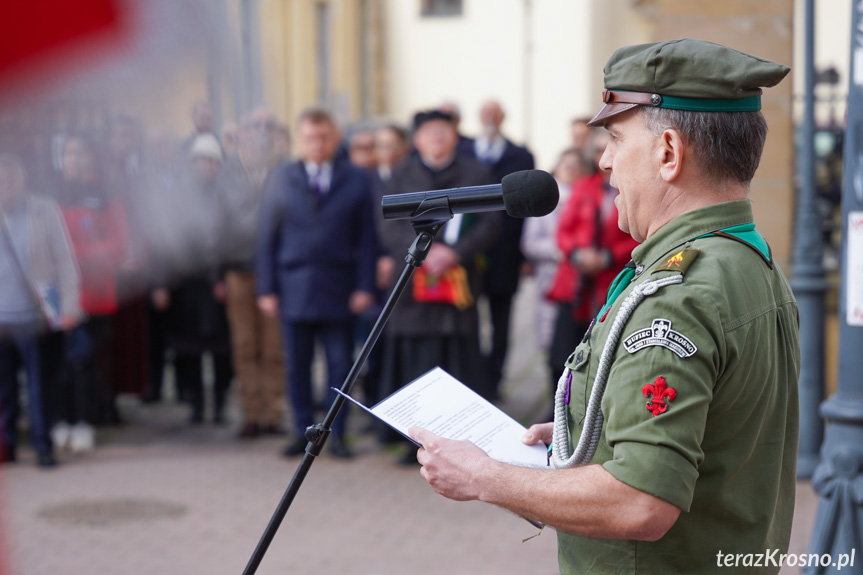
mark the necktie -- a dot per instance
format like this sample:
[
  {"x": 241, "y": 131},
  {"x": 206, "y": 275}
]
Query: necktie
[{"x": 315, "y": 184}]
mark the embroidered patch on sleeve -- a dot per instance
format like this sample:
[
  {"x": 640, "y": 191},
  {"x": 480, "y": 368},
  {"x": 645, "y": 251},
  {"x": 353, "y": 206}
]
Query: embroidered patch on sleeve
[
  {"x": 660, "y": 333},
  {"x": 678, "y": 262},
  {"x": 659, "y": 391}
]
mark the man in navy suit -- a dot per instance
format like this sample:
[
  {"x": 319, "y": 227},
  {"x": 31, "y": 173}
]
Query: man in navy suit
[
  {"x": 316, "y": 263},
  {"x": 504, "y": 258}
]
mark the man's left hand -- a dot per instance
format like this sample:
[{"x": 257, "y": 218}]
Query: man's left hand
[{"x": 451, "y": 467}]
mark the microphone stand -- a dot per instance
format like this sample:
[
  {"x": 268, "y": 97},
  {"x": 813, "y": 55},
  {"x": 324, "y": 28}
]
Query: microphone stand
[{"x": 429, "y": 217}]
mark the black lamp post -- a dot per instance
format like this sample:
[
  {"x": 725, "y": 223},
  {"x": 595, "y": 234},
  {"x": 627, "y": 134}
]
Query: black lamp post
[{"x": 838, "y": 479}]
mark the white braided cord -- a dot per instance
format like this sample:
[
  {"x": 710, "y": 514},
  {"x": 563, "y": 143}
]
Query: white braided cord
[{"x": 561, "y": 453}]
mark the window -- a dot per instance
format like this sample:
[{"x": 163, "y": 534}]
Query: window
[{"x": 441, "y": 7}]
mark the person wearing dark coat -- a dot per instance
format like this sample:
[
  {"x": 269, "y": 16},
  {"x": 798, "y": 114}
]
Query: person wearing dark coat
[
  {"x": 192, "y": 290},
  {"x": 500, "y": 281},
  {"x": 424, "y": 334},
  {"x": 316, "y": 264}
]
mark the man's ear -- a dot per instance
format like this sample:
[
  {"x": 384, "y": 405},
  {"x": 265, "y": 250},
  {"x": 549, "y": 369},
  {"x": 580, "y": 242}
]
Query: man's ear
[{"x": 671, "y": 155}]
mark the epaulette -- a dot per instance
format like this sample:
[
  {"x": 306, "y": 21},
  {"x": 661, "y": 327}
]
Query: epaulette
[
  {"x": 678, "y": 262},
  {"x": 747, "y": 235}
]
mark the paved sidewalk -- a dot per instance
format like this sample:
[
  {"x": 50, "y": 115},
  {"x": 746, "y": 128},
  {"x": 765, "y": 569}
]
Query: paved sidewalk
[{"x": 161, "y": 497}]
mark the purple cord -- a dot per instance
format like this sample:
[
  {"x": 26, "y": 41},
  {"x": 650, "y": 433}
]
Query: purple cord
[{"x": 568, "y": 385}]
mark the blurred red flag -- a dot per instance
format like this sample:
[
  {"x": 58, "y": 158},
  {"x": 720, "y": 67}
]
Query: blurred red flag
[{"x": 31, "y": 31}]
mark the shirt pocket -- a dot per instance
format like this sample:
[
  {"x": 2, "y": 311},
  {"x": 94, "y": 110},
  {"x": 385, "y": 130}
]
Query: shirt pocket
[{"x": 578, "y": 369}]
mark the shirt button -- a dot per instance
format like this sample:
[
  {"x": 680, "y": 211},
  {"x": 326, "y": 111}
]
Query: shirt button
[{"x": 638, "y": 269}]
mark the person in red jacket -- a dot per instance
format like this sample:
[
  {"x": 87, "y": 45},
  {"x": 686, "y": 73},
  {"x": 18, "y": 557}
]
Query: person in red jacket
[
  {"x": 99, "y": 233},
  {"x": 594, "y": 251},
  {"x": 97, "y": 227}
]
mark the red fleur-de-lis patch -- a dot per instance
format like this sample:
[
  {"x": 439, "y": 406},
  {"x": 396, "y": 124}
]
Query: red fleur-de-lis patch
[{"x": 660, "y": 392}]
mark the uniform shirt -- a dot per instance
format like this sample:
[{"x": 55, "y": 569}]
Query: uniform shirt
[{"x": 722, "y": 446}]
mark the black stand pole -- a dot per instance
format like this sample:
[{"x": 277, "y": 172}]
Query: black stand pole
[{"x": 426, "y": 225}]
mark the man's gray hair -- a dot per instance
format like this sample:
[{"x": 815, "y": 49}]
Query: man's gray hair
[{"x": 727, "y": 145}]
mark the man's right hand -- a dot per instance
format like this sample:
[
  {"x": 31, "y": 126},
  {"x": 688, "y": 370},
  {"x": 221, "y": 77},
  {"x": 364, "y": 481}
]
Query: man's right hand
[
  {"x": 269, "y": 304},
  {"x": 539, "y": 432}
]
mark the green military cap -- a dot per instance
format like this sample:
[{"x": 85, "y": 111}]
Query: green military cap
[{"x": 685, "y": 75}]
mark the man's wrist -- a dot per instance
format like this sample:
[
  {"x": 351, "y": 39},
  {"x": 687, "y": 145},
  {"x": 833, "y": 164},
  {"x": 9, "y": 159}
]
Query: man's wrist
[{"x": 490, "y": 476}]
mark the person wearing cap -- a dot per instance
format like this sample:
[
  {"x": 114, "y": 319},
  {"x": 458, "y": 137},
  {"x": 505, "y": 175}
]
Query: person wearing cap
[
  {"x": 202, "y": 118},
  {"x": 192, "y": 293},
  {"x": 675, "y": 432},
  {"x": 424, "y": 332}
]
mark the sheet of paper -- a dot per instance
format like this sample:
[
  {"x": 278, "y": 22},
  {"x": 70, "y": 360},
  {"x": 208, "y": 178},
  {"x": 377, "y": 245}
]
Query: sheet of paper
[{"x": 442, "y": 404}]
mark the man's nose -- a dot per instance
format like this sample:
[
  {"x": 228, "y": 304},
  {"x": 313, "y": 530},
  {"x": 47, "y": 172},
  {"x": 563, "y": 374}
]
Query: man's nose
[{"x": 605, "y": 161}]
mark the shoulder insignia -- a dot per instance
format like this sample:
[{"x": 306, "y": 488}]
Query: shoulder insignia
[
  {"x": 659, "y": 391},
  {"x": 679, "y": 262},
  {"x": 660, "y": 333}
]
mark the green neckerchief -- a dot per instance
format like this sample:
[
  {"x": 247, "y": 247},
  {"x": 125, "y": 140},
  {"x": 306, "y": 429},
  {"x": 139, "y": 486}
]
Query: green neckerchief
[{"x": 617, "y": 286}]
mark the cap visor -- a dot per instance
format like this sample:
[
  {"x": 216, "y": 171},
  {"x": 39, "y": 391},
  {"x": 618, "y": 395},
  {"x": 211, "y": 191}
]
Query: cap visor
[{"x": 608, "y": 111}]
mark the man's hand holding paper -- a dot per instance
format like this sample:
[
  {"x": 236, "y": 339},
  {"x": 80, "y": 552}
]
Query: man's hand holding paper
[{"x": 448, "y": 465}]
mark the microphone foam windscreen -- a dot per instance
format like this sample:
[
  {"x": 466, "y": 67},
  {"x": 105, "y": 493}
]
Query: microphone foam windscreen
[{"x": 529, "y": 194}]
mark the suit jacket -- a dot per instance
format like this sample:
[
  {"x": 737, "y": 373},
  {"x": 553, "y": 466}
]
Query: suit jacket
[
  {"x": 478, "y": 232},
  {"x": 505, "y": 257},
  {"x": 314, "y": 252}
]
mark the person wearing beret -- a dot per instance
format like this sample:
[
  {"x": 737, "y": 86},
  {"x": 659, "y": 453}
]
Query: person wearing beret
[{"x": 674, "y": 438}]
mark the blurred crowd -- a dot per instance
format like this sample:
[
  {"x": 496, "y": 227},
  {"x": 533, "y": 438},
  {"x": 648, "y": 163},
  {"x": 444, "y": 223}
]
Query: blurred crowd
[{"x": 124, "y": 251}]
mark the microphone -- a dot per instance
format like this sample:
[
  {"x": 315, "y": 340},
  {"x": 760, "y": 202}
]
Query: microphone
[{"x": 525, "y": 194}]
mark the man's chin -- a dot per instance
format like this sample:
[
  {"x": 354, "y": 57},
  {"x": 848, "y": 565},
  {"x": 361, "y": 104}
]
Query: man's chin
[{"x": 623, "y": 225}]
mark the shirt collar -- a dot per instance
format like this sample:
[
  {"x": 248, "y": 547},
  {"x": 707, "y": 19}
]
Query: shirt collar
[
  {"x": 313, "y": 168},
  {"x": 691, "y": 225},
  {"x": 491, "y": 149},
  {"x": 324, "y": 173}
]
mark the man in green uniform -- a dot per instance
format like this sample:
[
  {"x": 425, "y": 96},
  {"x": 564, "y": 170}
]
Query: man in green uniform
[{"x": 675, "y": 432}]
